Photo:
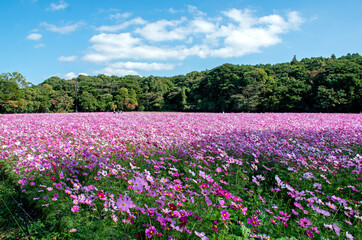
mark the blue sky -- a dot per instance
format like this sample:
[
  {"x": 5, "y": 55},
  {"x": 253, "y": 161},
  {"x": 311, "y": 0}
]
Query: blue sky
[{"x": 65, "y": 38}]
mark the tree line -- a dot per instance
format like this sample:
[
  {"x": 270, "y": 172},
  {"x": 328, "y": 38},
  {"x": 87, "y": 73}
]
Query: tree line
[{"x": 315, "y": 84}]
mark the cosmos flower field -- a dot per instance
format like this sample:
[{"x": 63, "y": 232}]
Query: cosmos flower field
[{"x": 189, "y": 175}]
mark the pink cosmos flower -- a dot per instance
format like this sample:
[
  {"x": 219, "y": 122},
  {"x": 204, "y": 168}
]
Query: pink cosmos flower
[
  {"x": 222, "y": 202},
  {"x": 298, "y": 205},
  {"x": 328, "y": 226},
  {"x": 336, "y": 229},
  {"x": 349, "y": 222},
  {"x": 273, "y": 221},
  {"x": 101, "y": 196},
  {"x": 304, "y": 222},
  {"x": 243, "y": 210},
  {"x": 75, "y": 208},
  {"x": 201, "y": 235},
  {"x": 124, "y": 204},
  {"x": 138, "y": 184},
  {"x": 214, "y": 226},
  {"x": 349, "y": 236},
  {"x": 225, "y": 214},
  {"x": 315, "y": 229},
  {"x": 226, "y": 194},
  {"x": 150, "y": 231},
  {"x": 269, "y": 211},
  {"x": 309, "y": 233},
  {"x": 284, "y": 214},
  {"x": 295, "y": 212},
  {"x": 254, "y": 221}
]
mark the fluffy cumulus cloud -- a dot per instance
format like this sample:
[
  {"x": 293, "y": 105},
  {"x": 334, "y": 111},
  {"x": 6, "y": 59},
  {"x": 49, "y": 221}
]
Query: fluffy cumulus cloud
[
  {"x": 63, "y": 29},
  {"x": 70, "y": 75},
  {"x": 67, "y": 59},
  {"x": 58, "y": 6},
  {"x": 34, "y": 36},
  {"x": 107, "y": 47},
  {"x": 163, "y": 30},
  {"x": 233, "y": 33}
]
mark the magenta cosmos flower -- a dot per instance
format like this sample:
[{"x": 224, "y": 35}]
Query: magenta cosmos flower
[
  {"x": 214, "y": 226},
  {"x": 309, "y": 233},
  {"x": 225, "y": 214},
  {"x": 254, "y": 221},
  {"x": 172, "y": 206},
  {"x": 150, "y": 231},
  {"x": 304, "y": 222}
]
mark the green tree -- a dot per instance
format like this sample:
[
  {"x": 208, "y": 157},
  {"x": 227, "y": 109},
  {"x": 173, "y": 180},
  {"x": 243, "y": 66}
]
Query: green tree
[
  {"x": 122, "y": 99},
  {"x": 88, "y": 102}
]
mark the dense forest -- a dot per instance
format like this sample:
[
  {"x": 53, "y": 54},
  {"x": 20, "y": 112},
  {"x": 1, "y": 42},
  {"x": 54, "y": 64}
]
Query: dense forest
[{"x": 309, "y": 85}]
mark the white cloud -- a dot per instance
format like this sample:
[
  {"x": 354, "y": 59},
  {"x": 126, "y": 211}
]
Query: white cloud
[
  {"x": 118, "y": 27},
  {"x": 142, "y": 66},
  {"x": 116, "y": 71},
  {"x": 70, "y": 75},
  {"x": 64, "y": 29},
  {"x": 34, "y": 36},
  {"x": 59, "y": 6},
  {"x": 233, "y": 34},
  {"x": 107, "y": 47},
  {"x": 40, "y": 45},
  {"x": 295, "y": 20},
  {"x": 201, "y": 26},
  {"x": 66, "y": 59},
  {"x": 173, "y": 11},
  {"x": 117, "y": 16},
  {"x": 194, "y": 10},
  {"x": 163, "y": 30},
  {"x": 244, "y": 17}
]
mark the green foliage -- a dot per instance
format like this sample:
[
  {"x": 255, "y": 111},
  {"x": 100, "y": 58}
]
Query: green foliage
[
  {"x": 315, "y": 84},
  {"x": 88, "y": 102}
]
